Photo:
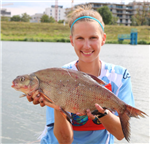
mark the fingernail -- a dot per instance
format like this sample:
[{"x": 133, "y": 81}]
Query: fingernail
[
  {"x": 96, "y": 104},
  {"x": 87, "y": 110},
  {"x": 38, "y": 95}
]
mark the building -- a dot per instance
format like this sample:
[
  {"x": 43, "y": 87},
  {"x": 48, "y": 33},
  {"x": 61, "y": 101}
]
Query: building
[
  {"x": 122, "y": 11},
  {"x": 57, "y": 13},
  {"x": 36, "y": 18},
  {"x": 4, "y": 13}
]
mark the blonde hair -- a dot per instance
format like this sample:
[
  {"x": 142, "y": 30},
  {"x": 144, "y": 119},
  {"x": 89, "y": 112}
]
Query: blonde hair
[{"x": 84, "y": 11}]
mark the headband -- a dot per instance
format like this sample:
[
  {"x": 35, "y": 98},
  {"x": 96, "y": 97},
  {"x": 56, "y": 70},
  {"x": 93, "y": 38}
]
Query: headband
[{"x": 87, "y": 17}]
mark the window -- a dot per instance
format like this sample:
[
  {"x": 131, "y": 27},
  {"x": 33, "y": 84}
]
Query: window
[
  {"x": 119, "y": 6},
  {"x": 119, "y": 15},
  {"x": 129, "y": 7},
  {"x": 119, "y": 11},
  {"x": 97, "y": 5}
]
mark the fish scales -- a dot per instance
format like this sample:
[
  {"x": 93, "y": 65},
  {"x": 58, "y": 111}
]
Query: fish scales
[
  {"x": 76, "y": 91},
  {"x": 77, "y": 88}
]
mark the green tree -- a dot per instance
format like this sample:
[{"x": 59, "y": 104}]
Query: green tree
[
  {"x": 45, "y": 18},
  {"x": 148, "y": 21},
  {"x": 4, "y": 18},
  {"x": 114, "y": 20},
  {"x": 25, "y": 17},
  {"x": 61, "y": 21},
  {"x": 15, "y": 18},
  {"x": 133, "y": 21},
  {"x": 106, "y": 14},
  {"x": 142, "y": 14},
  {"x": 51, "y": 20}
]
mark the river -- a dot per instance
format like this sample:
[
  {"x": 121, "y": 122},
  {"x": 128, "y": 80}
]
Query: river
[{"x": 22, "y": 121}]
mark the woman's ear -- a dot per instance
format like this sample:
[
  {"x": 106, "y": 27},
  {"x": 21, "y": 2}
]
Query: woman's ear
[
  {"x": 71, "y": 40},
  {"x": 104, "y": 39}
]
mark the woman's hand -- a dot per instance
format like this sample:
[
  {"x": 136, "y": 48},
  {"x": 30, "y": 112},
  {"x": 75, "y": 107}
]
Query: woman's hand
[
  {"x": 38, "y": 98},
  {"x": 89, "y": 114},
  {"x": 99, "y": 108},
  {"x": 110, "y": 121}
]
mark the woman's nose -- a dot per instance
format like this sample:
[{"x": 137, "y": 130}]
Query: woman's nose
[{"x": 87, "y": 44}]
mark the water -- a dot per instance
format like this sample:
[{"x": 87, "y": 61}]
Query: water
[{"x": 22, "y": 121}]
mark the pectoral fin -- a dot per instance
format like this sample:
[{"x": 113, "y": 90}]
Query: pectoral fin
[
  {"x": 45, "y": 96},
  {"x": 23, "y": 95},
  {"x": 66, "y": 115}
]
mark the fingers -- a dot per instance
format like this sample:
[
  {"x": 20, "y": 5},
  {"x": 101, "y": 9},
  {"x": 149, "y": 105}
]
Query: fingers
[
  {"x": 90, "y": 115},
  {"x": 42, "y": 101},
  {"x": 99, "y": 108},
  {"x": 29, "y": 97},
  {"x": 36, "y": 97},
  {"x": 80, "y": 114}
]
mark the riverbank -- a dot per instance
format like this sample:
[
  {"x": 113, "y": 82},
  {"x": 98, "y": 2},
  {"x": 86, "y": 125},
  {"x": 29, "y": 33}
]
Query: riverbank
[{"x": 54, "y": 32}]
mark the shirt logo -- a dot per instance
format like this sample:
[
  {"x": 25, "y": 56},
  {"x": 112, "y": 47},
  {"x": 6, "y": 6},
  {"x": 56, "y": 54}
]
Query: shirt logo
[{"x": 126, "y": 74}]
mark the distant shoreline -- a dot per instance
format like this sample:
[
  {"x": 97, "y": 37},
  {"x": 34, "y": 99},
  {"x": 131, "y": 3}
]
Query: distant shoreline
[{"x": 54, "y": 32}]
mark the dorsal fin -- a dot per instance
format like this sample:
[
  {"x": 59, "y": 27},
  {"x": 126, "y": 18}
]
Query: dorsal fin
[{"x": 101, "y": 82}]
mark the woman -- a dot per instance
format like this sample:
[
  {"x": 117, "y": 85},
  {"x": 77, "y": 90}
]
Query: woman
[{"x": 87, "y": 37}]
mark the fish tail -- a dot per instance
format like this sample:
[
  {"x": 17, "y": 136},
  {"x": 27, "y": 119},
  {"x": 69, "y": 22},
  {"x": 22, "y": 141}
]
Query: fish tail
[{"x": 125, "y": 116}]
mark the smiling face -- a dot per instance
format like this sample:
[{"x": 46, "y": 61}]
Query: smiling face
[{"x": 87, "y": 40}]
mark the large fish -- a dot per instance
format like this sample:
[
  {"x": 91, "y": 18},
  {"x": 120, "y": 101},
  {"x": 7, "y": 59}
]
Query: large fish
[{"x": 74, "y": 92}]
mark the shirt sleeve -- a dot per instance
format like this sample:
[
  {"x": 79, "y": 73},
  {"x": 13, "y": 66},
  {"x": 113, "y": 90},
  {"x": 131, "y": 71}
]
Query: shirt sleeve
[
  {"x": 49, "y": 115},
  {"x": 125, "y": 90}
]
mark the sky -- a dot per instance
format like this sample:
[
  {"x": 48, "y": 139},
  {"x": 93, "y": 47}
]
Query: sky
[{"x": 18, "y": 7}]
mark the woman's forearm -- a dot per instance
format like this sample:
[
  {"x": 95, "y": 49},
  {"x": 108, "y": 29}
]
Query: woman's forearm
[
  {"x": 112, "y": 123},
  {"x": 62, "y": 129}
]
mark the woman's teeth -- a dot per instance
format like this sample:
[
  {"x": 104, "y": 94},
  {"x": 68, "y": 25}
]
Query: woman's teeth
[{"x": 87, "y": 53}]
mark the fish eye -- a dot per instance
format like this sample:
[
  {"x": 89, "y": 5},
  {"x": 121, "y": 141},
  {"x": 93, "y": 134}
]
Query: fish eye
[{"x": 22, "y": 79}]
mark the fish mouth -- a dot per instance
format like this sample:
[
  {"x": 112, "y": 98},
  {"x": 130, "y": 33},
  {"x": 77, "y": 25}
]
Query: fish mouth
[{"x": 14, "y": 85}]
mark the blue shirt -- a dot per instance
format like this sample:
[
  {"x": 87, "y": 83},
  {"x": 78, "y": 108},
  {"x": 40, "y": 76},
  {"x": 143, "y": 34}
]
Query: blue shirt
[{"x": 120, "y": 80}]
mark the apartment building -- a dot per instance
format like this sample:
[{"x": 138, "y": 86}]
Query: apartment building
[
  {"x": 57, "y": 13},
  {"x": 122, "y": 11}
]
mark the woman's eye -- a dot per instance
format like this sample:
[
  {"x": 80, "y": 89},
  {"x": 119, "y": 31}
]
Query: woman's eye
[
  {"x": 79, "y": 38},
  {"x": 93, "y": 37}
]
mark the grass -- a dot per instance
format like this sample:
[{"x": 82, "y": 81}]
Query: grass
[{"x": 54, "y": 32}]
